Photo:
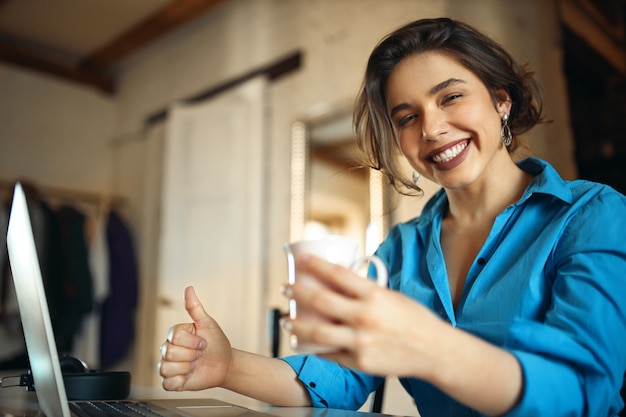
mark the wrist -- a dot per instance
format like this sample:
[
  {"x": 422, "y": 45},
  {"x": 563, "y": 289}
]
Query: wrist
[{"x": 231, "y": 375}]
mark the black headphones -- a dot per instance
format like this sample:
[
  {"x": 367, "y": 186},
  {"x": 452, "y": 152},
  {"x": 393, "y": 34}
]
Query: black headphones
[{"x": 82, "y": 384}]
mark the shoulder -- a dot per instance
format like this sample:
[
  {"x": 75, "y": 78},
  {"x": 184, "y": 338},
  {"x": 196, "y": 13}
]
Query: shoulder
[
  {"x": 576, "y": 193},
  {"x": 594, "y": 218},
  {"x": 598, "y": 204}
]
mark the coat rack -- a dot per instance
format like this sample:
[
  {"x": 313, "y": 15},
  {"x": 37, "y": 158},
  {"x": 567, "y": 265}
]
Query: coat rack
[{"x": 98, "y": 199}]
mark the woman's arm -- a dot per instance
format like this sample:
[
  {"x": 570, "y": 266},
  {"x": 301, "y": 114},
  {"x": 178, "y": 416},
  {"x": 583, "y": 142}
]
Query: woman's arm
[
  {"x": 267, "y": 379},
  {"x": 198, "y": 356},
  {"x": 375, "y": 331}
]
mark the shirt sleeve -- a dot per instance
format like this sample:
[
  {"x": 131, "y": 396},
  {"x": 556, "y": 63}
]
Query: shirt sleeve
[
  {"x": 575, "y": 359},
  {"x": 331, "y": 385}
]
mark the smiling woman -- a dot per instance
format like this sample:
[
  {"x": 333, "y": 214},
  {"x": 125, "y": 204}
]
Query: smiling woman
[
  {"x": 442, "y": 114},
  {"x": 490, "y": 65},
  {"x": 504, "y": 295},
  {"x": 497, "y": 266}
]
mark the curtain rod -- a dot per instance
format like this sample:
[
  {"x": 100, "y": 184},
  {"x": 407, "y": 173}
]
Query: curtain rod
[
  {"x": 272, "y": 71},
  {"x": 65, "y": 193}
]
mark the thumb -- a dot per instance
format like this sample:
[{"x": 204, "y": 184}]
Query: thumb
[{"x": 195, "y": 309}]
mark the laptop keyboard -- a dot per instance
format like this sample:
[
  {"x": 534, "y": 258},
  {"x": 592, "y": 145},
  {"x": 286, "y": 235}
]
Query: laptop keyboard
[{"x": 113, "y": 408}]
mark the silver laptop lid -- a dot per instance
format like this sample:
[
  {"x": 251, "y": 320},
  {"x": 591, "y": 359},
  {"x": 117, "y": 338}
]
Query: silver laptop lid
[{"x": 33, "y": 306}]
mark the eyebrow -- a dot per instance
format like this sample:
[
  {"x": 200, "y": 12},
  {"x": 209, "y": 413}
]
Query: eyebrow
[{"x": 434, "y": 90}]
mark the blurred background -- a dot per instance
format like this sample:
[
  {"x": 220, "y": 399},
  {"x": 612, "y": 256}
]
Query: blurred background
[{"x": 188, "y": 140}]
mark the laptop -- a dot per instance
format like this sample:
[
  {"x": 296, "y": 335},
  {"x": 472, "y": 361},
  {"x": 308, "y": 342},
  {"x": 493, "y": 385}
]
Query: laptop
[{"x": 41, "y": 346}]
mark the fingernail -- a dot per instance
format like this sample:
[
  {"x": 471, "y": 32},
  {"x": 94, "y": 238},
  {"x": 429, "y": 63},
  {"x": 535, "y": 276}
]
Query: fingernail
[
  {"x": 285, "y": 324},
  {"x": 286, "y": 290},
  {"x": 202, "y": 345}
]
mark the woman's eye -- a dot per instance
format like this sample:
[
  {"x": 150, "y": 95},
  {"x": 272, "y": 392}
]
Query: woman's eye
[
  {"x": 406, "y": 120},
  {"x": 451, "y": 97}
]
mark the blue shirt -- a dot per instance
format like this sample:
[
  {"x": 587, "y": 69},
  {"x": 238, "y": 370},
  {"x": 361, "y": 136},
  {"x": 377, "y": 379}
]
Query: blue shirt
[{"x": 548, "y": 285}]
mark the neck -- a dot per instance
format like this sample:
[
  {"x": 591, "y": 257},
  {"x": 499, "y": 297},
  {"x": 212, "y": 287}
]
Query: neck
[{"x": 487, "y": 197}]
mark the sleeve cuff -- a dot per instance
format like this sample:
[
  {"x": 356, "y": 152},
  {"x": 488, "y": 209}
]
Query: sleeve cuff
[
  {"x": 541, "y": 377},
  {"x": 331, "y": 385}
]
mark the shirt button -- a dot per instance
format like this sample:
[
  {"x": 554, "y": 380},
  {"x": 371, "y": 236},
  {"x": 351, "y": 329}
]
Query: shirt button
[
  {"x": 481, "y": 261},
  {"x": 312, "y": 384}
]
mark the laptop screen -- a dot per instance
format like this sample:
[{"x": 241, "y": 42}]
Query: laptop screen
[{"x": 33, "y": 306}]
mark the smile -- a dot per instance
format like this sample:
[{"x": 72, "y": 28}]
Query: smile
[{"x": 450, "y": 153}]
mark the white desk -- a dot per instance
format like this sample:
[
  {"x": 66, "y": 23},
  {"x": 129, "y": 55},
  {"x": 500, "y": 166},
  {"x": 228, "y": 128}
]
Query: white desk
[{"x": 18, "y": 402}]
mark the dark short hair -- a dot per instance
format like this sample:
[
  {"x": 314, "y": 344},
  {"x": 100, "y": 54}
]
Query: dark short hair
[{"x": 488, "y": 60}]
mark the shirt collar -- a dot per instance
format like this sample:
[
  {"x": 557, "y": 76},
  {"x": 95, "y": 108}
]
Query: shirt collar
[{"x": 546, "y": 181}]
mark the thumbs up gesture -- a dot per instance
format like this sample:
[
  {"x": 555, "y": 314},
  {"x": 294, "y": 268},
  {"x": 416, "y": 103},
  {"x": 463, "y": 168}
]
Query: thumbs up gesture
[{"x": 195, "y": 355}]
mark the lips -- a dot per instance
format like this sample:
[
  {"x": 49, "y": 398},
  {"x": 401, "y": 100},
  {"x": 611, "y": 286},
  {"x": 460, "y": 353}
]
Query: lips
[{"x": 448, "y": 154}]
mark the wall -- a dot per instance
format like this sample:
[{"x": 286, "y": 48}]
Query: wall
[
  {"x": 64, "y": 134},
  {"x": 53, "y": 132}
]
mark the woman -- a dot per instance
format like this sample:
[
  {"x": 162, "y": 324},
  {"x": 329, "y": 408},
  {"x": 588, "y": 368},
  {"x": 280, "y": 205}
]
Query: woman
[{"x": 505, "y": 294}]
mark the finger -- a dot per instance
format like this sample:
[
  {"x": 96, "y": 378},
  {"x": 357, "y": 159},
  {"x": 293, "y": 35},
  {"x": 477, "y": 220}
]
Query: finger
[
  {"x": 322, "y": 333},
  {"x": 175, "y": 383},
  {"x": 184, "y": 335},
  {"x": 169, "y": 369},
  {"x": 195, "y": 309},
  {"x": 174, "y": 353},
  {"x": 328, "y": 303},
  {"x": 340, "y": 278}
]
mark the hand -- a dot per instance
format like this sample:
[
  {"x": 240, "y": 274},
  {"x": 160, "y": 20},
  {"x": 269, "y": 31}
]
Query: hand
[
  {"x": 375, "y": 330},
  {"x": 195, "y": 355}
]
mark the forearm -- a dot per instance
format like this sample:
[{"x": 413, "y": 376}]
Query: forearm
[
  {"x": 265, "y": 379},
  {"x": 484, "y": 377}
]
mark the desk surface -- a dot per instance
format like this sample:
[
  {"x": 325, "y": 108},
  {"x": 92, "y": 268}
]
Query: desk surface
[{"x": 18, "y": 402}]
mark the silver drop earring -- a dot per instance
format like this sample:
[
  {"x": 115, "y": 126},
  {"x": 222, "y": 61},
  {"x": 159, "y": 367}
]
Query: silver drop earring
[
  {"x": 415, "y": 177},
  {"x": 505, "y": 131}
]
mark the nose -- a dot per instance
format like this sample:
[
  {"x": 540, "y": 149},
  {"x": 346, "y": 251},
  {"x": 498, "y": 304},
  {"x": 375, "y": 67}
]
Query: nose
[{"x": 433, "y": 124}]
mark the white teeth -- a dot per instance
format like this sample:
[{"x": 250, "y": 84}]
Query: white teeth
[{"x": 450, "y": 153}]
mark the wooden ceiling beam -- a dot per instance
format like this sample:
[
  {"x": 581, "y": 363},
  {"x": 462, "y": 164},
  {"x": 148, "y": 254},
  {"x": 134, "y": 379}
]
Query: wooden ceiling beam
[
  {"x": 170, "y": 17},
  {"x": 95, "y": 70},
  {"x": 25, "y": 58}
]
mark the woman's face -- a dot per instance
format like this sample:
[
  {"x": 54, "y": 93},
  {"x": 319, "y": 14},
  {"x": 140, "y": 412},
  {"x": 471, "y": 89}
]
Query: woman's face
[{"x": 445, "y": 120}]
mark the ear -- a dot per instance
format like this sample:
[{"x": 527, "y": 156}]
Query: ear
[{"x": 503, "y": 101}]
